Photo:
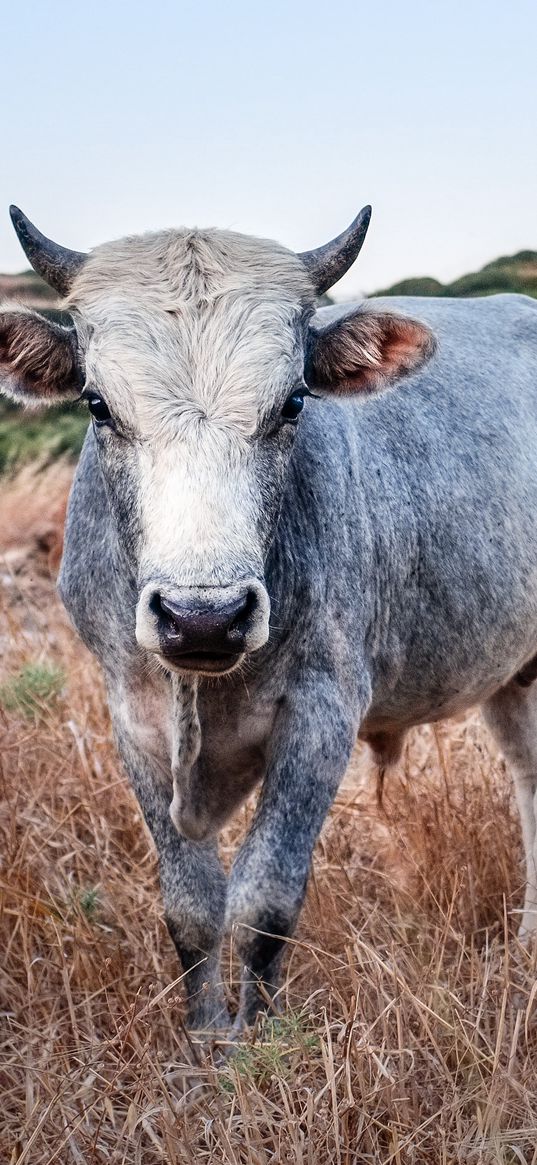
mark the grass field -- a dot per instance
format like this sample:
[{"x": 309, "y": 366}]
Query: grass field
[{"x": 408, "y": 1032}]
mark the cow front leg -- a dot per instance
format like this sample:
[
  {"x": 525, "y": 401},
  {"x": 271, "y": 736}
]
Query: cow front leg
[
  {"x": 194, "y": 894},
  {"x": 192, "y": 880},
  {"x": 313, "y": 740}
]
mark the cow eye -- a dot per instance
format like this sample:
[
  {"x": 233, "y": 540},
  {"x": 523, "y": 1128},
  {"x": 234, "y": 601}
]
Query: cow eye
[
  {"x": 293, "y": 406},
  {"x": 98, "y": 409}
]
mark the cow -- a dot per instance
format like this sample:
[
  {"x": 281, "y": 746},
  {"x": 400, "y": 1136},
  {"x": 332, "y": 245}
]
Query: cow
[{"x": 289, "y": 527}]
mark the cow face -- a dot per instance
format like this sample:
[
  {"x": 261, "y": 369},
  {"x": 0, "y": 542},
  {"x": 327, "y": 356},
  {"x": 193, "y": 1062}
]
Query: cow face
[{"x": 195, "y": 353}]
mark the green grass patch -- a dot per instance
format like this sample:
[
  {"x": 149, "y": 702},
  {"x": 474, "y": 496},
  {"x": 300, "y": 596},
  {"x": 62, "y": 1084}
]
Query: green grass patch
[
  {"x": 89, "y": 902},
  {"x": 35, "y": 688},
  {"x": 280, "y": 1039}
]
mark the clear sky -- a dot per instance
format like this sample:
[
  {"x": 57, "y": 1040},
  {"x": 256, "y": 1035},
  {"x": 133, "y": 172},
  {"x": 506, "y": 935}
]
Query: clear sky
[{"x": 279, "y": 119}]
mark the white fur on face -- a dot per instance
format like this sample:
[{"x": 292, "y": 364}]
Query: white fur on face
[
  {"x": 199, "y": 509},
  {"x": 192, "y": 339},
  {"x": 191, "y": 326}
]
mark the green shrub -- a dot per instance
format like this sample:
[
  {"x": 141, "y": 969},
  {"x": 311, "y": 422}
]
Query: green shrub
[
  {"x": 514, "y": 273},
  {"x": 44, "y": 435}
]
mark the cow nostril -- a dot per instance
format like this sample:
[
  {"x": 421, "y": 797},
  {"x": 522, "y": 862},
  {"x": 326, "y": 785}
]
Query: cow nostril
[
  {"x": 241, "y": 618},
  {"x": 164, "y": 613}
]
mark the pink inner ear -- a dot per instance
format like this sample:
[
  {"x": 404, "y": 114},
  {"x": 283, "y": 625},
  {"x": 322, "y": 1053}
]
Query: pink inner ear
[
  {"x": 367, "y": 351},
  {"x": 408, "y": 344}
]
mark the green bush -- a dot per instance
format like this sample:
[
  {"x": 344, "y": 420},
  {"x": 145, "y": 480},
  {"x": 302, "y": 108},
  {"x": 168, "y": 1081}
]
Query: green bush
[
  {"x": 515, "y": 273},
  {"x": 423, "y": 285},
  {"x": 45, "y": 434}
]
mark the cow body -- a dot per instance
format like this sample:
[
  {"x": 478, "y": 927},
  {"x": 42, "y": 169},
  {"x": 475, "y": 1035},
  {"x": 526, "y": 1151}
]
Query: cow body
[
  {"x": 403, "y": 584},
  {"x": 263, "y": 576}
]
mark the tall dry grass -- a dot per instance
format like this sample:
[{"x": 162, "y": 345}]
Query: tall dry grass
[{"x": 408, "y": 1029}]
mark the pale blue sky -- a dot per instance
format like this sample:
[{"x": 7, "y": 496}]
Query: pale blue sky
[{"x": 279, "y": 119}]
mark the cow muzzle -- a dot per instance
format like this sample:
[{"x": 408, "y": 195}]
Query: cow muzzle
[{"x": 207, "y": 630}]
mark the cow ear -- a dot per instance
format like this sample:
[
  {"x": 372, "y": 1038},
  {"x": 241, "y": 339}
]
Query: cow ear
[
  {"x": 365, "y": 351},
  {"x": 39, "y": 360}
]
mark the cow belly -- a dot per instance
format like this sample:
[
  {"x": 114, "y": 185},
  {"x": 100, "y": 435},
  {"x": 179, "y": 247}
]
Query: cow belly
[{"x": 449, "y": 675}]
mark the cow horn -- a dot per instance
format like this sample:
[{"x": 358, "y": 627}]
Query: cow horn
[
  {"x": 329, "y": 263},
  {"x": 58, "y": 266}
]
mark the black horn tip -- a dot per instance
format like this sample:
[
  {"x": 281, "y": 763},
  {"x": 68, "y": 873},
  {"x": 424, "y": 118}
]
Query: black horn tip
[
  {"x": 327, "y": 264},
  {"x": 19, "y": 220},
  {"x": 27, "y": 234},
  {"x": 58, "y": 266}
]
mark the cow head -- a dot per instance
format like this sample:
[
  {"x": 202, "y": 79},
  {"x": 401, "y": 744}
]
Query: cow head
[{"x": 195, "y": 352}]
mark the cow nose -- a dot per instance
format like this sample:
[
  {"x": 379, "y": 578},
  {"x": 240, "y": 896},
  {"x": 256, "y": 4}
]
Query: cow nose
[{"x": 192, "y": 627}]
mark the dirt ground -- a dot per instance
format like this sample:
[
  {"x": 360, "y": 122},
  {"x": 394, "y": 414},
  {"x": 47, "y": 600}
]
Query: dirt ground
[{"x": 409, "y": 1011}]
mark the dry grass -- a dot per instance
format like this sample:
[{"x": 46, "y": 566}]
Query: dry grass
[{"x": 410, "y": 1030}]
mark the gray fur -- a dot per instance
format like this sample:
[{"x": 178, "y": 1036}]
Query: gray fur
[
  {"x": 403, "y": 586},
  {"x": 399, "y": 549}
]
